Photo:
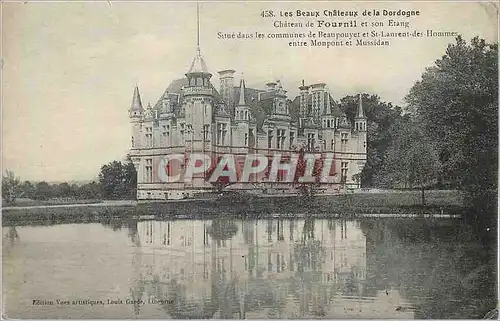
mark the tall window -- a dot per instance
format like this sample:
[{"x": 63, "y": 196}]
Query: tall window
[
  {"x": 310, "y": 142},
  {"x": 206, "y": 238},
  {"x": 343, "y": 141},
  {"x": 292, "y": 138},
  {"x": 166, "y": 235},
  {"x": 133, "y": 142},
  {"x": 246, "y": 139},
  {"x": 270, "y": 139},
  {"x": 343, "y": 176},
  {"x": 148, "y": 171},
  {"x": 280, "y": 133},
  {"x": 182, "y": 131},
  {"x": 149, "y": 136},
  {"x": 206, "y": 132},
  {"x": 332, "y": 145},
  {"x": 221, "y": 133},
  {"x": 165, "y": 133}
]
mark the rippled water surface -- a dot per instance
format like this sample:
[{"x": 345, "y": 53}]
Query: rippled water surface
[{"x": 247, "y": 269}]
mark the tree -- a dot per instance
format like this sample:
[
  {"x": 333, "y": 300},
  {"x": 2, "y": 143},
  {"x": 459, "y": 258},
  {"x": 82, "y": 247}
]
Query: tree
[
  {"x": 43, "y": 191},
  {"x": 89, "y": 191},
  {"x": 118, "y": 180},
  {"x": 130, "y": 175},
  {"x": 457, "y": 102},
  {"x": 10, "y": 187},
  {"x": 62, "y": 190},
  {"x": 411, "y": 161},
  {"x": 27, "y": 190},
  {"x": 111, "y": 180}
]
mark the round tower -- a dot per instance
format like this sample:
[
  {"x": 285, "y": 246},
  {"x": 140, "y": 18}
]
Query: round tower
[{"x": 136, "y": 113}]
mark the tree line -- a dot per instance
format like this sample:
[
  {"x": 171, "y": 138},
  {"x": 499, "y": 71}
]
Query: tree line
[
  {"x": 116, "y": 180},
  {"x": 447, "y": 137}
]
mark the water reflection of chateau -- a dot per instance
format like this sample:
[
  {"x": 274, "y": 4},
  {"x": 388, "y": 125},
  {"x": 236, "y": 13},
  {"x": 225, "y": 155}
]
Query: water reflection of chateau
[
  {"x": 264, "y": 248},
  {"x": 304, "y": 263}
]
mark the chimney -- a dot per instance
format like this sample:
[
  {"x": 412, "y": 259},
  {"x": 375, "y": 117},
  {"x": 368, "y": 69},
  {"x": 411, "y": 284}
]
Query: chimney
[
  {"x": 271, "y": 86},
  {"x": 304, "y": 93},
  {"x": 227, "y": 87},
  {"x": 318, "y": 87}
]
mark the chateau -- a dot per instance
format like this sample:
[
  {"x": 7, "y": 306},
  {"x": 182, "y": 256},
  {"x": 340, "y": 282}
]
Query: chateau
[{"x": 192, "y": 116}]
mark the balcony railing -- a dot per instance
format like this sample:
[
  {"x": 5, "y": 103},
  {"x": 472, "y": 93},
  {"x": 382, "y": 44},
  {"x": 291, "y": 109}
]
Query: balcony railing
[{"x": 197, "y": 91}]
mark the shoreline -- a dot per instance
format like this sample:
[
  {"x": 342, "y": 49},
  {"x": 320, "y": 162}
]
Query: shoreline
[
  {"x": 350, "y": 206},
  {"x": 94, "y": 204}
]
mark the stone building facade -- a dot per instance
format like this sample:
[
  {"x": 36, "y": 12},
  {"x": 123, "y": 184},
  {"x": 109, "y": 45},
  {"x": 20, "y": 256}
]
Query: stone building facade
[{"x": 192, "y": 116}]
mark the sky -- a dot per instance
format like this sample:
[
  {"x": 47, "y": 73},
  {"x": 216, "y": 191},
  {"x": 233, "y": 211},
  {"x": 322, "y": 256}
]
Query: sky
[{"x": 69, "y": 69}]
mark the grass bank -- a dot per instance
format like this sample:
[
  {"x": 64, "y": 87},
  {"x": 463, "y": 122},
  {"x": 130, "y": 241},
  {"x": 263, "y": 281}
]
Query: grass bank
[
  {"x": 27, "y": 202},
  {"x": 320, "y": 206}
]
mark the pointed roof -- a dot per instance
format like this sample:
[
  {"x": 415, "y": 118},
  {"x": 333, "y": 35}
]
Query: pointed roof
[
  {"x": 242, "y": 93},
  {"x": 361, "y": 113},
  {"x": 175, "y": 93},
  {"x": 198, "y": 65},
  {"x": 136, "y": 100}
]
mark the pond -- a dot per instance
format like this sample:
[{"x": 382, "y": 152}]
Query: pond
[{"x": 254, "y": 269}]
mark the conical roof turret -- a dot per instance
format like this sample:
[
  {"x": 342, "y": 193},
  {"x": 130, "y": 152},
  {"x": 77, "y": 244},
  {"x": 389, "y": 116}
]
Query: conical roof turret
[
  {"x": 360, "y": 113},
  {"x": 198, "y": 65},
  {"x": 242, "y": 101},
  {"x": 136, "y": 101}
]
